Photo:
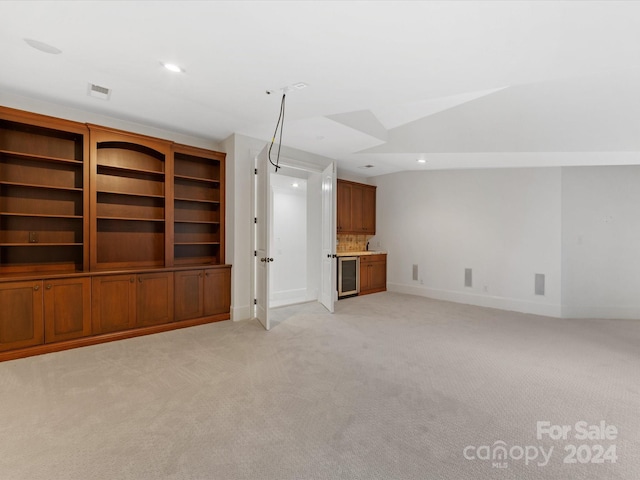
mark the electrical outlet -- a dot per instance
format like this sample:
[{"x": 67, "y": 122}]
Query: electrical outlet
[
  {"x": 33, "y": 237},
  {"x": 485, "y": 288}
]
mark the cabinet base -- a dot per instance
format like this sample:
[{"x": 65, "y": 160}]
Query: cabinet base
[
  {"x": 376, "y": 290},
  {"x": 107, "y": 337}
]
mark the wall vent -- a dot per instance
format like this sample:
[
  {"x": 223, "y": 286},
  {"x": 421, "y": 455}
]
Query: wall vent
[
  {"x": 539, "y": 284},
  {"x": 468, "y": 277},
  {"x": 97, "y": 91}
]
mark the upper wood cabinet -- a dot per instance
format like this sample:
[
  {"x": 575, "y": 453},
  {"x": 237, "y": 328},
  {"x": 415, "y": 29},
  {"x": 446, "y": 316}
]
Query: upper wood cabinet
[
  {"x": 43, "y": 194},
  {"x": 356, "y": 208}
]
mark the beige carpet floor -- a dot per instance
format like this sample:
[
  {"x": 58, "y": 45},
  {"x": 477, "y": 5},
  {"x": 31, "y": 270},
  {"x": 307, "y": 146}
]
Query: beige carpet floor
[{"x": 389, "y": 387}]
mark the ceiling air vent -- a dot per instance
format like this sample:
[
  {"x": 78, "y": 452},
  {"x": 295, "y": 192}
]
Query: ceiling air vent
[{"x": 97, "y": 91}]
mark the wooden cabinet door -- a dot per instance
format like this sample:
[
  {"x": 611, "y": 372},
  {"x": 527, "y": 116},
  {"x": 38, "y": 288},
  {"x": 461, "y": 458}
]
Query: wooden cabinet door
[
  {"x": 154, "y": 299},
  {"x": 378, "y": 276},
  {"x": 344, "y": 223},
  {"x": 189, "y": 290},
  {"x": 369, "y": 210},
  {"x": 373, "y": 274},
  {"x": 217, "y": 291},
  {"x": 67, "y": 309},
  {"x": 365, "y": 282},
  {"x": 356, "y": 209},
  {"x": 21, "y": 316},
  {"x": 113, "y": 303}
]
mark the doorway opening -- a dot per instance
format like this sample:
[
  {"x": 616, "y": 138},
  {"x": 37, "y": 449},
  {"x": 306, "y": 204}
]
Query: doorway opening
[{"x": 294, "y": 275}]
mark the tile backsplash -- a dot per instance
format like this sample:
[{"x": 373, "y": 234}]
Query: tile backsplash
[{"x": 352, "y": 243}]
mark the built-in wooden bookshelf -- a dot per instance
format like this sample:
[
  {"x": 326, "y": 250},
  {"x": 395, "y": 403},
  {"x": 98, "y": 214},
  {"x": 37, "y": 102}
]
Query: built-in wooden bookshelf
[
  {"x": 198, "y": 213},
  {"x": 129, "y": 198},
  {"x": 43, "y": 194},
  {"x": 97, "y": 226}
]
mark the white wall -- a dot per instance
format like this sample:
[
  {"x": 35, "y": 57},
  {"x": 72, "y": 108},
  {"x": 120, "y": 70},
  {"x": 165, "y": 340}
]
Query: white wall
[
  {"x": 82, "y": 116},
  {"x": 504, "y": 224},
  {"x": 601, "y": 242},
  {"x": 288, "y": 272}
]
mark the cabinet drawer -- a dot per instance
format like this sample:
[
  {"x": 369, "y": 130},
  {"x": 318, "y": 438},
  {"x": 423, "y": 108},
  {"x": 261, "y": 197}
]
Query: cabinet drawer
[{"x": 373, "y": 258}]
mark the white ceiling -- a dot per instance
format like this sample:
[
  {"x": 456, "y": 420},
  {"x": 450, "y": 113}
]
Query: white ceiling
[{"x": 461, "y": 84}]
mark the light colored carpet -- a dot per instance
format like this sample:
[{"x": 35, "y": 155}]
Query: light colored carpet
[{"x": 390, "y": 387}]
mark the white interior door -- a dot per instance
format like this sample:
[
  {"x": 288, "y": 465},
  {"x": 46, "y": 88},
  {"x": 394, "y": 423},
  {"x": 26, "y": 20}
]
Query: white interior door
[
  {"x": 262, "y": 257},
  {"x": 328, "y": 283}
]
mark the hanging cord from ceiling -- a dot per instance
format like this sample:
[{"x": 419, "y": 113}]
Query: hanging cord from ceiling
[{"x": 279, "y": 124}]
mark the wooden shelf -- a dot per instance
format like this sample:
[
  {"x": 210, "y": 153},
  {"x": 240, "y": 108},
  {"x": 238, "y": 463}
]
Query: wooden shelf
[
  {"x": 196, "y": 243},
  {"x": 197, "y": 200},
  {"x": 34, "y": 185},
  {"x": 39, "y": 215},
  {"x": 41, "y": 244},
  {"x": 131, "y": 219},
  {"x": 129, "y": 194},
  {"x": 40, "y": 158},
  {"x": 205, "y": 222},
  {"x": 140, "y": 171},
  {"x": 198, "y": 179}
]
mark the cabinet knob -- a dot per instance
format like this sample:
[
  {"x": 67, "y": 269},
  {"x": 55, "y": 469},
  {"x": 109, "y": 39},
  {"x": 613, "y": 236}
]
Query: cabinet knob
[
  {"x": 131, "y": 280},
  {"x": 140, "y": 279},
  {"x": 48, "y": 286},
  {"x": 36, "y": 287}
]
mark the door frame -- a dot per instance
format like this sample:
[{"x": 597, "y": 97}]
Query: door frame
[{"x": 290, "y": 164}]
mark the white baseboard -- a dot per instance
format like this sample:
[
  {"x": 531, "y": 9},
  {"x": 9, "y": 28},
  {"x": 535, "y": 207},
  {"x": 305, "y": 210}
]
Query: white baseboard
[
  {"x": 241, "y": 313},
  {"x": 502, "y": 303},
  {"x": 618, "y": 312},
  {"x": 299, "y": 294}
]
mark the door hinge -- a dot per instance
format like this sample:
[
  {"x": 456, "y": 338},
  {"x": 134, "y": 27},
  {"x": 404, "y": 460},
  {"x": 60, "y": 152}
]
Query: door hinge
[
  {"x": 255, "y": 219},
  {"x": 255, "y": 301},
  {"x": 255, "y": 253},
  {"x": 255, "y": 171}
]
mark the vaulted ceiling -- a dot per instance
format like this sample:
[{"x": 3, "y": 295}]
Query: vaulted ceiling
[{"x": 459, "y": 84}]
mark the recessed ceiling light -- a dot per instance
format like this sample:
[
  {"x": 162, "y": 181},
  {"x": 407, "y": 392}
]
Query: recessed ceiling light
[
  {"x": 295, "y": 185},
  {"x": 43, "y": 47},
  {"x": 421, "y": 160},
  {"x": 367, "y": 166},
  {"x": 172, "y": 67}
]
